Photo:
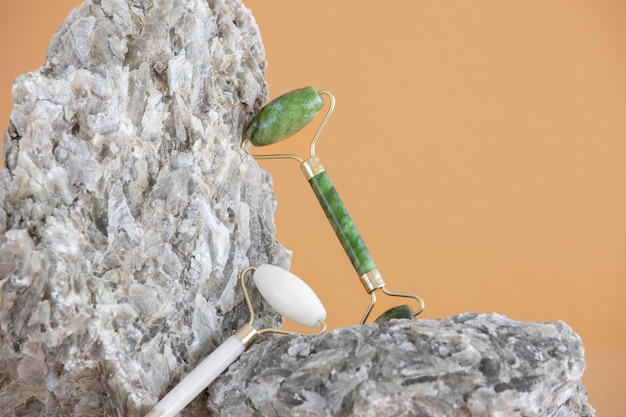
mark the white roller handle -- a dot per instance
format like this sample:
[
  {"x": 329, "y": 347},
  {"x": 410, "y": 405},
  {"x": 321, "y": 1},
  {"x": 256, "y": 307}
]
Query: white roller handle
[
  {"x": 289, "y": 295},
  {"x": 198, "y": 379}
]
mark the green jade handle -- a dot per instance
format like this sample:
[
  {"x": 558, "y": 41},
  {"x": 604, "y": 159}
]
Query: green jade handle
[
  {"x": 342, "y": 223},
  {"x": 340, "y": 220},
  {"x": 348, "y": 235}
]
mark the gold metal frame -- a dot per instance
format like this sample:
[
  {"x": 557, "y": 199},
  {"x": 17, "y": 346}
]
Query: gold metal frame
[
  {"x": 393, "y": 294},
  {"x": 247, "y": 333},
  {"x": 373, "y": 281},
  {"x": 246, "y": 142},
  {"x": 312, "y": 166}
]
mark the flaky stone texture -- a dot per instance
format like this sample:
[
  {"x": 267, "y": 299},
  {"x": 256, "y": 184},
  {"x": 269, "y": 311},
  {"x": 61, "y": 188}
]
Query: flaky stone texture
[
  {"x": 462, "y": 366},
  {"x": 127, "y": 207},
  {"x": 128, "y": 210}
]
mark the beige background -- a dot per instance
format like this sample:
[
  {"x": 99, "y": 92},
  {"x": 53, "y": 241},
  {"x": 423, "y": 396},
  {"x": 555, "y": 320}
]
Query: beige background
[{"x": 479, "y": 146}]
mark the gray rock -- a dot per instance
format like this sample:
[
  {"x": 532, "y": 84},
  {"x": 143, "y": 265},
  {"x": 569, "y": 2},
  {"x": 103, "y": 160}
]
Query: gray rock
[
  {"x": 128, "y": 210},
  {"x": 127, "y": 207},
  {"x": 465, "y": 365}
]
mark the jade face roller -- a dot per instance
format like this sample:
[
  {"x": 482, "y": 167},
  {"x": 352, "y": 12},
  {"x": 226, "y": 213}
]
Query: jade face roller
[
  {"x": 281, "y": 118},
  {"x": 286, "y": 293}
]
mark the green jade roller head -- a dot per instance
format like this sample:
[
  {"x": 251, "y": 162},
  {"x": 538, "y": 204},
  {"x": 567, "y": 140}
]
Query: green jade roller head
[
  {"x": 280, "y": 119},
  {"x": 284, "y": 116}
]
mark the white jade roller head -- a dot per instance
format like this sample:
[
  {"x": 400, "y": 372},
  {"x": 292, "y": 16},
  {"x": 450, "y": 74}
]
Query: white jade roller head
[
  {"x": 286, "y": 293},
  {"x": 289, "y": 295}
]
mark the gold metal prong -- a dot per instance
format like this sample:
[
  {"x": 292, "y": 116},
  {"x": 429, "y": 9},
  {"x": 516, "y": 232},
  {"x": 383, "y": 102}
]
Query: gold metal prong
[
  {"x": 405, "y": 295},
  {"x": 329, "y": 112},
  {"x": 322, "y": 323},
  {"x": 246, "y": 296},
  {"x": 373, "y": 281},
  {"x": 369, "y": 308}
]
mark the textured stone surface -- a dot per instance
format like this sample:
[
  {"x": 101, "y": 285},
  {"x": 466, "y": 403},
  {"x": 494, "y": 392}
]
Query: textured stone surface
[
  {"x": 127, "y": 208},
  {"x": 466, "y": 365}
]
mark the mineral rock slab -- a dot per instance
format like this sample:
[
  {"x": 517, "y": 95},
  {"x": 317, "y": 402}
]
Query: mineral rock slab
[
  {"x": 462, "y": 366},
  {"x": 127, "y": 208}
]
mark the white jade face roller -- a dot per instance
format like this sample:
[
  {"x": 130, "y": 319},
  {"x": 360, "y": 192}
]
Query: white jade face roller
[{"x": 286, "y": 293}]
